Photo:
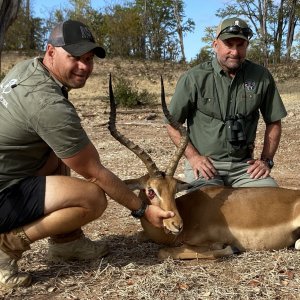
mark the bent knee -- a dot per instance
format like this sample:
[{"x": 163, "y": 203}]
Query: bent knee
[{"x": 96, "y": 200}]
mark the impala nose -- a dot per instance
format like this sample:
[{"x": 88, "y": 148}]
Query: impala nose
[
  {"x": 179, "y": 227},
  {"x": 173, "y": 229}
]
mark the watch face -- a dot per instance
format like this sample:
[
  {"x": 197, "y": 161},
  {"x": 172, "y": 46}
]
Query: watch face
[{"x": 270, "y": 163}]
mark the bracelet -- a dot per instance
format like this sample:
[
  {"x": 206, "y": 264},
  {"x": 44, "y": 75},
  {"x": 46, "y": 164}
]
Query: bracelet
[{"x": 141, "y": 211}]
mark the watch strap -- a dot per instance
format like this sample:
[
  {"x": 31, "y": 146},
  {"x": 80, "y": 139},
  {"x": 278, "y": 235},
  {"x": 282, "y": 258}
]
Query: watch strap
[
  {"x": 268, "y": 161},
  {"x": 141, "y": 211}
]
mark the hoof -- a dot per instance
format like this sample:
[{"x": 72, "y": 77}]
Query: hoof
[
  {"x": 235, "y": 250},
  {"x": 297, "y": 245}
]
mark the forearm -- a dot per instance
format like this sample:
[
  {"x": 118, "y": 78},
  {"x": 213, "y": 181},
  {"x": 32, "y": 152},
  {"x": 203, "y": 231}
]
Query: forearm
[
  {"x": 271, "y": 139},
  {"x": 87, "y": 164},
  {"x": 116, "y": 189}
]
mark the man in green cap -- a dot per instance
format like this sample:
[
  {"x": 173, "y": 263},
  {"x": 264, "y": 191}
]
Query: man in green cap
[{"x": 221, "y": 101}]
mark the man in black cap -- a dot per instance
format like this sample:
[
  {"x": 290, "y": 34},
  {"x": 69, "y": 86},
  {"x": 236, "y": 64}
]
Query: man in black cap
[
  {"x": 41, "y": 135},
  {"x": 221, "y": 101}
]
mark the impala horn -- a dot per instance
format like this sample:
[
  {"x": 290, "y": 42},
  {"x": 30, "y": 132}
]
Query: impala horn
[
  {"x": 184, "y": 136},
  {"x": 149, "y": 163}
]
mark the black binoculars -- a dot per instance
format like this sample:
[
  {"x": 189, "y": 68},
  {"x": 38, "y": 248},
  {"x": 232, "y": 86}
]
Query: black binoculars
[{"x": 235, "y": 129}]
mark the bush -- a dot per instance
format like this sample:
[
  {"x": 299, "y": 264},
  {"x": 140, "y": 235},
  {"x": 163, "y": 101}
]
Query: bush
[{"x": 126, "y": 94}]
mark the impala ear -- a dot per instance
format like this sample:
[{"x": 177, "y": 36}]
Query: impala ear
[{"x": 137, "y": 183}]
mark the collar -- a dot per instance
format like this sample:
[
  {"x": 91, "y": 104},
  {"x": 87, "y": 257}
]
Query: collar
[{"x": 63, "y": 88}]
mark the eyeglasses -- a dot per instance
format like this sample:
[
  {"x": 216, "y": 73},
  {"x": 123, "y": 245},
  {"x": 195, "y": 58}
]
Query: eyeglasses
[{"x": 235, "y": 29}]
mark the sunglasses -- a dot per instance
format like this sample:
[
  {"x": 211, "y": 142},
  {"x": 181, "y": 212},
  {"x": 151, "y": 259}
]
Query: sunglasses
[{"x": 235, "y": 29}]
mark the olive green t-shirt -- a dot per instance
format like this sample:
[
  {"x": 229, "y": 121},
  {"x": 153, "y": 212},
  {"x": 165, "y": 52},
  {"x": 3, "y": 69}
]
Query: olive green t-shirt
[
  {"x": 35, "y": 118},
  {"x": 205, "y": 97}
]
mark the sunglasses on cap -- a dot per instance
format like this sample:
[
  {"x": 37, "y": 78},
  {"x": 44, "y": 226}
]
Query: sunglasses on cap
[{"x": 235, "y": 29}]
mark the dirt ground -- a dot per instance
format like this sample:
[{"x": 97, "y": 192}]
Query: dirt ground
[{"x": 132, "y": 270}]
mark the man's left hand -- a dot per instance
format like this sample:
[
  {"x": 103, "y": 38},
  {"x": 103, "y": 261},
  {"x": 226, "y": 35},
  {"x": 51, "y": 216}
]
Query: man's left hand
[{"x": 258, "y": 169}]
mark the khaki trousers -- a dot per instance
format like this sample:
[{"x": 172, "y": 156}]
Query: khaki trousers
[{"x": 229, "y": 174}]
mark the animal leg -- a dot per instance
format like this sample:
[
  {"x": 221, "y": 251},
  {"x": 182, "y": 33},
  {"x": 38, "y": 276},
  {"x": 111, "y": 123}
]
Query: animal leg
[
  {"x": 142, "y": 237},
  {"x": 192, "y": 252}
]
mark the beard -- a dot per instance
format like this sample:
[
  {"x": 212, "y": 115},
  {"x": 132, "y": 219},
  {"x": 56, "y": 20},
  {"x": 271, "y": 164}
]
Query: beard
[{"x": 231, "y": 64}]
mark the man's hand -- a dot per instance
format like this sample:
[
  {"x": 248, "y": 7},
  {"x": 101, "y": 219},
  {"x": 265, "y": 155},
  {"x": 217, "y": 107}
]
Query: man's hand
[
  {"x": 258, "y": 169},
  {"x": 155, "y": 215},
  {"x": 204, "y": 165}
]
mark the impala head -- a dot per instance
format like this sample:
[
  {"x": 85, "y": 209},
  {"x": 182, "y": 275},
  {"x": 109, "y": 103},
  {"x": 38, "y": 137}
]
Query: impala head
[{"x": 159, "y": 187}]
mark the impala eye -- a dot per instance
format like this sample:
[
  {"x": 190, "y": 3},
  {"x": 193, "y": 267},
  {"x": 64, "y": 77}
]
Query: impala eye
[{"x": 150, "y": 193}]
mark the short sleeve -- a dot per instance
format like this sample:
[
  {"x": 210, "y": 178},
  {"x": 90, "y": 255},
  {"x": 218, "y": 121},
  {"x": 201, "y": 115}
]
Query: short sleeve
[
  {"x": 183, "y": 98},
  {"x": 272, "y": 108},
  {"x": 59, "y": 125}
]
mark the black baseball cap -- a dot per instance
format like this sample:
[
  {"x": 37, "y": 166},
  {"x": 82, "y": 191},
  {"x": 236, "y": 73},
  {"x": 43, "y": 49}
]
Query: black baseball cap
[{"x": 74, "y": 37}]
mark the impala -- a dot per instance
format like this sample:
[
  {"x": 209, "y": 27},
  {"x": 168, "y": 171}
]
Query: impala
[{"x": 211, "y": 222}]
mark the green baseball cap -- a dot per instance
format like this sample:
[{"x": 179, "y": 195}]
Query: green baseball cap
[{"x": 234, "y": 28}]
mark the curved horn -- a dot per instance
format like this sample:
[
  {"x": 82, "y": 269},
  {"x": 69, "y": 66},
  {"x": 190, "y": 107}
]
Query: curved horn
[
  {"x": 184, "y": 136},
  {"x": 150, "y": 165}
]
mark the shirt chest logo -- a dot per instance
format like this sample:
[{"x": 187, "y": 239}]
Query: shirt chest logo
[
  {"x": 6, "y": 88},
  {"x": 250, "y": 85}
]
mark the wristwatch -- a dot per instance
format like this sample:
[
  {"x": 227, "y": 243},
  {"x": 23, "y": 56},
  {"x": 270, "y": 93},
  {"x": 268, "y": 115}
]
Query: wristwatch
[
  {"x": 140, "y": 212},
  {"x": 269, "y": 162}
]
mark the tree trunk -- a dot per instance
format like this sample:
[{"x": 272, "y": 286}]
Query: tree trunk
[
  {"x": 8, "y": 13},
  {"x": 265, "y": 32},
  {"x": 278, "y": 34},
  {"x": 179, "y": 29},
  {"x": 291, "y": 29}
]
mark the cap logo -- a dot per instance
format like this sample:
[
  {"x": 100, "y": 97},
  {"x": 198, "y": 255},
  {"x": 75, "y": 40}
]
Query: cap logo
[
  {"x": 237, "y": 22},
  {"x": 85, "y": 33}
]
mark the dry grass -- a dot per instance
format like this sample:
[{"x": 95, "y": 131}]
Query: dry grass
[{"x": 131, "y": 270}]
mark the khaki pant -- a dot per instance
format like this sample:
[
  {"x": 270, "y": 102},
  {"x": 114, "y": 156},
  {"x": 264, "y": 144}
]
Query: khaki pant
[{"x": 229, "y": 174}]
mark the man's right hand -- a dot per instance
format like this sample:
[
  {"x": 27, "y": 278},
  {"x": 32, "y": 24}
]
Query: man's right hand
[{"x": 203, "y": 164}]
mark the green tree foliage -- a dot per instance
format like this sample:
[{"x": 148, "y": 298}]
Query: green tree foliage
[
  {"x": 29, "y": 30},
  {"x": 8, "y": 13},
  {"x": 123, "y": 32},
  {"x": 162, "y": 26},
  {"x": 155, "y": 29},
  {"x": 146, "y": 29},
  {"x": 140, "y": 28},
  {"x": 156, "y": 22}
]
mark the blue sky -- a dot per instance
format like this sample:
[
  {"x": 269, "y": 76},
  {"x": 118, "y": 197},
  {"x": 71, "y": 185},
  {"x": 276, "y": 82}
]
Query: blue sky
[{"x": 201, "y": 12}]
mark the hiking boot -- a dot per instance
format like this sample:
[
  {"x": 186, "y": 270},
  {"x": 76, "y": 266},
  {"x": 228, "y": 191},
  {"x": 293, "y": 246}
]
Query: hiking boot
[
  {"x": 9, "y": 273},
  {"x": 80, "y": 249}
]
